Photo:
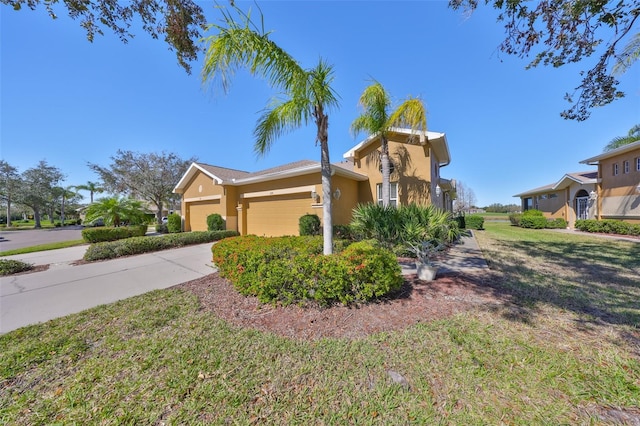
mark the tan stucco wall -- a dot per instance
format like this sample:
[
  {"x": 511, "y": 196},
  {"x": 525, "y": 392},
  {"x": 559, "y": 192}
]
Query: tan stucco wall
[
  {"x": 413, "y": 172},
  {"x": 206, "y": 196},
  {"x": 619, "y": 198}
]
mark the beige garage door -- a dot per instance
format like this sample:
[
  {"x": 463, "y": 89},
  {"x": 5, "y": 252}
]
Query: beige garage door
[
  {"x": 278, "y": 215},
  {"x": 198, "y": 212}
]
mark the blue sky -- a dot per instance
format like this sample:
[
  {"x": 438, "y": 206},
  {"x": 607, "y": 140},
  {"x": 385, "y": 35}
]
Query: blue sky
[{"x": 70, "y": 102}]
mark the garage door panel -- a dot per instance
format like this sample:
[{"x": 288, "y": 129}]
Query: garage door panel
[
  {"x": 198, "y": 212},
  {"x": 277, "y": 215}
]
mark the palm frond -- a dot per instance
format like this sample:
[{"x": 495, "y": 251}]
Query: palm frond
[{"x": 280, "y": 118}]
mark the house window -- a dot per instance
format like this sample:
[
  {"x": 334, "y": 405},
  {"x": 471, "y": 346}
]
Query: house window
[
  {"x": 638, "y": 164},
  {"x": 393, "y": 194},
  {"x": 553, "y": 195},
  {"x": 625, "y": 166},
  {"x": 615, "y": 169}
]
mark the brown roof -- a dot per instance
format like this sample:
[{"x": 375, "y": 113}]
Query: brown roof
[{"x": 224, "y": 173}]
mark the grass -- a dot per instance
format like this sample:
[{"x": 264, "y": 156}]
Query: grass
[
  {"x": 43, "y": 247},
  {"x": 566, "y": 351}
]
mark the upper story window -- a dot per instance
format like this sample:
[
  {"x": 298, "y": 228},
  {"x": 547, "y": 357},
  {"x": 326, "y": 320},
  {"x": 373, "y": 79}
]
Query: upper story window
[
  {"x": 553, "y": 195},
  {"x": 615, "y": 169},
  {"x": 625, "y": 166},
  {"x": 393, "y": 194}
]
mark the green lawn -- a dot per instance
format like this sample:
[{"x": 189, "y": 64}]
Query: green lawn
[{"x": 565, "y": 351}]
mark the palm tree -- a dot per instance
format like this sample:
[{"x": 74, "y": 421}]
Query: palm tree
[
  {"x": 116, "y": 210},
  {"x": 376, "y": 119},
  {"x": 617, "y": 142},
  {"x": 92, "y": 187},
  {"x": 307, "y": 93}
]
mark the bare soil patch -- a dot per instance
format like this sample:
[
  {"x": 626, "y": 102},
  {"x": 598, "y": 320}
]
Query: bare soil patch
[{"x": 415, "y": 302}]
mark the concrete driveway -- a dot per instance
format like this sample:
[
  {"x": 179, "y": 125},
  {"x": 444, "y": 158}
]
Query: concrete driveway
[{"x": 65, "y": 289}]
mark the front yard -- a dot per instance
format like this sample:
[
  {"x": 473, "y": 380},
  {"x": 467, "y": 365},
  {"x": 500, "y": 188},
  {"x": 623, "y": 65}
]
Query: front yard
[{"x": 564, "y": 347}]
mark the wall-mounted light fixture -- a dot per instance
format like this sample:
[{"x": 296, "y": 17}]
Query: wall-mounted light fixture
[
  {"x": 438, "y": 190},
  {"x": 314, "y": 196},
  {"x": 337, "y": 193},
  {"x": 593, "y": 195}
]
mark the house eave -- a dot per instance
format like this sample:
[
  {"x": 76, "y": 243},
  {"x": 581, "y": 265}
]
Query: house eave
[
  {"x": 189, "y": 174},
  {"x": 594, "y": 161},
  {"x": 300, "y": 171}
]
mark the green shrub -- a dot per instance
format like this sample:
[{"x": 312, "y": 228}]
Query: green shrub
[
  {"x": 533, "y": 221},
  {"x": 309, "y": 224},
  {"x": 293, "y": 270},
  {"x": 607, "y": 226},
  {"x": 174, "y": 223},
  {"x": 139, "y": 245},
  {"x": 8, "y": 267},
  {"x": 514, "y": 218},
  {"x": 474, "y": 221},
  {"x": 343, "y": 232},
  {"x": 532, "y": 212},
  {"x": 460, "y": 220},
  {"x": 557, "y": 223},
  {"x": 215, "y": 222},
  {"x": 107, "y": 233},
  {"x": 161, "y": 228}
]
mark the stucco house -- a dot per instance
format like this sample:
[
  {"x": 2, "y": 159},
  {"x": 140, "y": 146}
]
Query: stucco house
[
  {"x": 570, "y": 198},
  {"x": 617, "y": 191},
  {"x": 270, "y": 202},
  {"x": 610, "y": 192}
]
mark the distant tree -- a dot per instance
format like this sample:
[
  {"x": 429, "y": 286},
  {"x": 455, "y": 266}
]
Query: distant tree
[
  {"x": 465, "y": 198},
  {"x": 180, "y": 21},
  {"x": 92, "y": 187},
  {"x": 149, "y": 177},
  {"x": 378, "y": 119},
  {"x": 502, "y": 208},
  {"x": 307, "y": 93},
  {"x": 9, "y": 185},
  {"x": 37, "y": 188},
  {"x": 115, "y": 211},
  {"x": 61, "y": 197},
  {"x": 571, "y": 32},
  {"x": 617, "y": 142}
]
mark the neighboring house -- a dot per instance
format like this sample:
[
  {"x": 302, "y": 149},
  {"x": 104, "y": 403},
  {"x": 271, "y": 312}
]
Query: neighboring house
[
  {"x": 617, "y": 193},
  {"x": 270, "y": 202},
  {"x": 571, "y": 198}
]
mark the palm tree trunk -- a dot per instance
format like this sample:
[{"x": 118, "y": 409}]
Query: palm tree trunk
[
  {"x": 322, "y": 120},
  {"x": 9, "y": 211}
]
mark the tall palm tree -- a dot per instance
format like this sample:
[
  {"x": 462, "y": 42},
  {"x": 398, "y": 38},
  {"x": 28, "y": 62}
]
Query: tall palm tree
[
  {"x": 377, "y": 119},
  {"x": 307, "y": 94},
  {"x": 617, "y": 142},
  {"x": 92, "y": 187}
]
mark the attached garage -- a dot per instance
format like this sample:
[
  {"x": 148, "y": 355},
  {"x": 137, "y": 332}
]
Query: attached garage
[
  {"x": 197, "y": 212},
  {"x": 277, "y": 215}
]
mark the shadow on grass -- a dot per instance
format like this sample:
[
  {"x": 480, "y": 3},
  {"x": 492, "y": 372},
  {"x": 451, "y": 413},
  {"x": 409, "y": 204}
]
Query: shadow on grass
[{"x": 598, "y": 280}]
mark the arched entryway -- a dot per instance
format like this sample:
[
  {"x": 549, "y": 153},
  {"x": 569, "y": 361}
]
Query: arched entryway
[{"x": 582, "y": 204}]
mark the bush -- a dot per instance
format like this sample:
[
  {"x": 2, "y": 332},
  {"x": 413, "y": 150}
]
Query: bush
[
  {"x": 474, "y": 221},
  {"x": 96, "y": 235},
  {"x": 139, "y": 245},
  {"x": 557, "y": 223},
  {"x": 174, "y": 223},
  {"x": 161, "y": 228},
  {"x": 215, "y": 222},
  {"x": 309, "y": 224},
  {"x": 533, "y": 221},
  {"x": 607, "y": 226},
  {"x": 514, "y": 218},
  {"x": 8, "y": 267},
  {"x": 343, "y": 232},
  {"x": 533, "y": 212},
  {"x": 292, "y": 270}
]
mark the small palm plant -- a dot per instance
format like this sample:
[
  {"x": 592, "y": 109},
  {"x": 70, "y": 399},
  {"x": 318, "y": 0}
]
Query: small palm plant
[{"x": 116, "y": 211}]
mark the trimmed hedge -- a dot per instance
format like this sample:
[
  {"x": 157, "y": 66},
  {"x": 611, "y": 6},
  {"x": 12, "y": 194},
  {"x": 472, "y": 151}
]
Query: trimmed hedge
[
  {"x": 215, "y": 222},
  {"x": 108, "y": 233},
  {"x": 8, "y": 267},
  {"x": 608, "y": 226},
  {"x": 139, "y": 245},
  {"x": 309, "y": 224},
  {"x": 174, "y": 223},
  {"x": 290, "y": 270},
  {"x": 474, "y": 221},
  {"x": 535, "y": 219}
]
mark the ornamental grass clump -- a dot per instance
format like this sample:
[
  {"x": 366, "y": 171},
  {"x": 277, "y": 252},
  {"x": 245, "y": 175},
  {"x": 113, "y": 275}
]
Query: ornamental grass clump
[{"x": 289, "y": 270}]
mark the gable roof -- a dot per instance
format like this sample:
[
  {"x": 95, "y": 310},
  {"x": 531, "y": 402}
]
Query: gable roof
[
  {"x": 437, "y": 140},
  {"x": 622, "y": 150},
  {"x": 581, "y": 178},
  {"x": 232, "y": 177}
]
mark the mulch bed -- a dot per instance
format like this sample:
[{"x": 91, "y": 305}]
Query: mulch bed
[{"x": 415, "y": 302}]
